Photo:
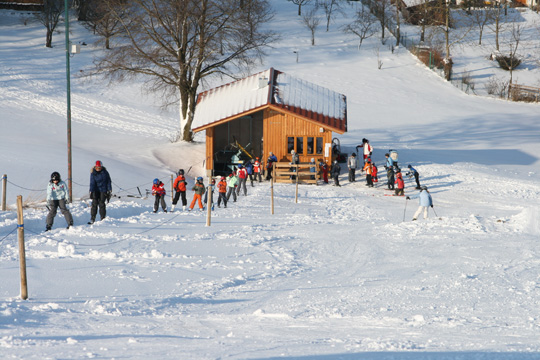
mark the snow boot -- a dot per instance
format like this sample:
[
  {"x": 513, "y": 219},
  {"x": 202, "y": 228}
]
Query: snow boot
[
  {"x": 48, "y": 228},
  {"x": 172, "y": 208},
  {"x": 184, "y": 208}
]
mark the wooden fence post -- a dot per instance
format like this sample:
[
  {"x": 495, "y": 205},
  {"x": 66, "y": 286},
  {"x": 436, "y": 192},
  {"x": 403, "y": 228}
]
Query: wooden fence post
[
  {"x": 22, "y": 253},
  {"x": 272, "y": 194},
  {"x": 209, "y": 204},
  {"x": 297, "y": 176},
  {"x": 4, "y": 195}
]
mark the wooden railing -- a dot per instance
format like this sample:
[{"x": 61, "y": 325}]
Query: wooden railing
[
  {"x": 523, "y": 92},
  {"x": 283, "y": 173}
]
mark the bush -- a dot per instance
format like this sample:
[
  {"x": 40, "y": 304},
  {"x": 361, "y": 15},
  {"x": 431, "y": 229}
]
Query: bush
[
  {"x": 423, "y": 53},
  {"x": 497, "y": 87},
  {"x": 508, "y": 62}
]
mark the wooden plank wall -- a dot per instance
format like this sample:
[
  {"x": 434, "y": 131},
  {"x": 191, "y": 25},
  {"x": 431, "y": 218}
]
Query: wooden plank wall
[{"x": 279, "y": 126}]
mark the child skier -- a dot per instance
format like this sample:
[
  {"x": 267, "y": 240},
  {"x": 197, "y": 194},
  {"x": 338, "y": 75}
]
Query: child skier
[
  {"x": 179, "y": 186},
  {"x": 374, "y": 177},
  {"x": 222, "y": 188},
  {"x": 257, "y": 169},
  {"x": 368, "y": 168},
  {"x": 324, "y": 169},
  {"x": 57, "y": 197},
  {"x": 425, "y": 201},
  {"x": 158, "y": 190},
  {"x": 336, "y": 170},
  {"x": 400, "y": 189},
  {"x": 211, "y": 188},
  {"x": 199, "y": 191},
  {"x": 232, "y": 183}
]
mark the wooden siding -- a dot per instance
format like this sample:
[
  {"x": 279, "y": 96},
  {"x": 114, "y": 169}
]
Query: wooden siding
[
  {"x": 278, "y": 127},
  {"x": 209, "y": 150}
]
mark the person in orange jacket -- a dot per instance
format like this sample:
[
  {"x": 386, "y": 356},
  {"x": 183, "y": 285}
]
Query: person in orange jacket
[
  {"x": 400, "y": 190},
  {"x": 179, "y": 186},
  {"x": 222, "y": 188},
  {"x": 368, "y": 168},
  {"x": 199, "y": 192}
]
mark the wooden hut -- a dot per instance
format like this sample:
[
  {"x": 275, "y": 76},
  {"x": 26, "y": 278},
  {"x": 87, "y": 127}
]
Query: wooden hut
[
  {"x": 26, "y": 5},
  {"x": 268, "y": 112}
]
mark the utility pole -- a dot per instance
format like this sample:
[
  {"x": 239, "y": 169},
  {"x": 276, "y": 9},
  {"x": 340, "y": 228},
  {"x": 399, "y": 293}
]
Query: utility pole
[{"x": 68, "y": 76}]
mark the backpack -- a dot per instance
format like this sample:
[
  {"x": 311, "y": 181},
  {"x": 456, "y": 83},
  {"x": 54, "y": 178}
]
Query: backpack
[{"x": 394, "y": 155}]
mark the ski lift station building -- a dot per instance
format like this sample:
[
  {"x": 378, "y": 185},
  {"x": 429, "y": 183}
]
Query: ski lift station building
[{"x": 268, "y": 112}]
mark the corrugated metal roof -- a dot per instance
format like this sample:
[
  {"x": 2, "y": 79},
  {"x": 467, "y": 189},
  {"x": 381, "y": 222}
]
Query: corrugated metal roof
[{"x": 271, "y": 87}]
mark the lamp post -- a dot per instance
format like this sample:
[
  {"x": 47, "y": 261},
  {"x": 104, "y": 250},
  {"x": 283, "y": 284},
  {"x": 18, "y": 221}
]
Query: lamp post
[{"x": 70, "y": 172}]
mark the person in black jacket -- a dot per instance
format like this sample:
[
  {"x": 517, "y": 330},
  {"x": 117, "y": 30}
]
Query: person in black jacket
[
  {"x": 100, "y": 191},
  {"x": 336, "y": 170}
]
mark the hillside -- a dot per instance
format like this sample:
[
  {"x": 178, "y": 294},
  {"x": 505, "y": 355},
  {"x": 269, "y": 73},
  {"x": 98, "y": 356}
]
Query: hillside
[{"x": 342, "y": 274}]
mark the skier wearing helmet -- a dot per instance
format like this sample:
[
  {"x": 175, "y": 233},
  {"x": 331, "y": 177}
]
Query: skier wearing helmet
[
  {"x": 158, "y": 190},
  {"x": 222, "y": 189},
  {"x": 425, "y": 202},
  {"x": 100, "y": 190},
  {"x": 179, "y": 186},
  {"x": 199, "y": 192},
  {"x": 57, "y": 197}
]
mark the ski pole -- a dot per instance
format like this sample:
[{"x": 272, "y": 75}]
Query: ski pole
[
  {"x": 434, "y": 211},
  {"x": 404, "y": 211}
]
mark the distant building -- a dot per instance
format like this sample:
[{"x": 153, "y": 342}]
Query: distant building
[
  {"x": 28, "y": 5},
  {"x": 417, "y": 11},
  {"x": 268, "y": 111}
]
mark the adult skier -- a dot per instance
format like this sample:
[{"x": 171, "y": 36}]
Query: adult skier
[
  {"x": 100, "y": 190},
  {"x": 352, "y": 164}
]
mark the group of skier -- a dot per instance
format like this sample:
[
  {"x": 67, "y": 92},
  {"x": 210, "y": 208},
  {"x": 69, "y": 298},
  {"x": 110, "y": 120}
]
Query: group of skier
[{"x": 233, "y": 184}]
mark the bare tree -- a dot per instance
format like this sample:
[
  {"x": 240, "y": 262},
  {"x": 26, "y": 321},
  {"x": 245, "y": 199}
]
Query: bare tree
[
  {"x": 176, "y": 44},
  {"x": 312, "y": 21},
  {"x": 363, "y": 25},
  {"x": 104, "y": 18},
  {"x": 50, "y": 16},
  {"x": 512, "y": 60},
  {"x": 381, "y": 8},
  {"x": 300, "y": 3},
  {"x": 330, "y": 8},
  {"x": 481, "y": 17}
]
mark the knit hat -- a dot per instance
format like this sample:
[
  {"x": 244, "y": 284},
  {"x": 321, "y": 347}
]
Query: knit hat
[{"x": 99, "y": 164}]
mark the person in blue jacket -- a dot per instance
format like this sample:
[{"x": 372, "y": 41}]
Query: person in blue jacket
[
  {"x": 425, "y": 201},
  {"x": 100, "y": 190},
  {"x": 413, "y": 172},
  {"x": 57, "y": 197}
]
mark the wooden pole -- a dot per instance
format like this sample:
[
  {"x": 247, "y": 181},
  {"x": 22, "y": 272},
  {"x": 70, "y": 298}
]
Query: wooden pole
[
  {"x": 209, "y": 205},
  {"x": 297, "y": 176},
  {"x": 4, "y": 192},
  {"x": 272, "y": 194},
  {"x": 22, "y": 253},
  {"x": 172, "y": 188}
]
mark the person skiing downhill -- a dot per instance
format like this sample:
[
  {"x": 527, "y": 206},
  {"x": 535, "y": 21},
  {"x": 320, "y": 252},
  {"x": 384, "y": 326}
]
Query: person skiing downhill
[
  {"x": 425, "y": 201},
  {"x": 57, "y": 197}
]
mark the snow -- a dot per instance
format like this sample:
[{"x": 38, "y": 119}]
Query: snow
[{"x": 341, "y": 274}]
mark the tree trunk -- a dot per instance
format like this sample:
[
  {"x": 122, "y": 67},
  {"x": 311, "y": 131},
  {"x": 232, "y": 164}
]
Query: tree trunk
[{"x": 48, "y": 40}]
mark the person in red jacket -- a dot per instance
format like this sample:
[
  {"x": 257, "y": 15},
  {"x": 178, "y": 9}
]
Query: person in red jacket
[
  {"x": 400, "y": 189},
  {"x": 242, "y": 178},
  {"x": 374, "y": 177},
  {"x": 324, "y": 168},
  {"x": 158, "y": 190},
  {"x": 179, "y": 186},
  {"x": 222, "y": 189},
  {"x": 257, "y": 169}
]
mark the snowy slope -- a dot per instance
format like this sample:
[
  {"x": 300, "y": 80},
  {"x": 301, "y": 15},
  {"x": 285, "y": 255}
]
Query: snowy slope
[{"x": 338, "y": 275}]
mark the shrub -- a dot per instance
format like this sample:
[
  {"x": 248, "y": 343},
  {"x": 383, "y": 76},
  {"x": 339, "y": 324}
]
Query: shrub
[{"x": 508, "y": 62}]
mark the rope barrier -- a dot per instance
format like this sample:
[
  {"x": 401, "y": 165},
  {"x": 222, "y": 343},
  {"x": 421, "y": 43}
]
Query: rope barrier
[
  {"x": 20, "y": 187},
  {"x": 12, "y": 231}
]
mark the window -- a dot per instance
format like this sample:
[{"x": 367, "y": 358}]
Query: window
[
  {"x": 300, "y": 145},
  {"x": 319, "y": 145},
  {"x": 290, "y": 144},
  {"x": 310, "y": 146}
]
